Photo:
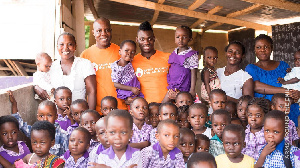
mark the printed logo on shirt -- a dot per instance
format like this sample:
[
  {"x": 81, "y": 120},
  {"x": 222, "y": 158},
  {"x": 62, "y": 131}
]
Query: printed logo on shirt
[
  {"x": 140, "y": 72},
  {"x": 101, "y": 66}
]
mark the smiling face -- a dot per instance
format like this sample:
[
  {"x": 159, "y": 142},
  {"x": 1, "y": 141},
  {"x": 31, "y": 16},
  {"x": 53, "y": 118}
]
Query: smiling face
[
  {"x": 103, "y": 33},
  {"x": 217, "y": 101},
  {"x": 263, "y": 50},
  {"x": 46, "y": 113},
  {"x": 168, "y": 137},
  {"x": 233, "y": 144},
  {"x": 127, "y": 52},
  {"x": 182, "y": 38},
  {"x": 9, "y": 135},
  {"x": 183, "y": 99},
  {"x": 63, "y": 99},
  {"x": 41, "y": 142},
  {"x": 255, "y": 117},
  {"x": 78, "y": 143},
  {"x": 146, "y": 40},
  {"x": 234, "y": 54},
  {"x": 197, "y": 118},
  {"x": 210, "y": 57},
  {"x": 88, "y": 121},
  {"x": 77, "y": 110},
  {"x": 101, "y": 132},
  {"x": 139, "y": 109},
  {"x": 66, "y": 47},
  {"x": 154, "y": 115},
  {"x": 218, "y": 124},
  {"x": 274, "y": 130},
  {"x": 107, "y": 106},
  {"x": 118, "y": 132},
  {"x": 202, "y": 145},
  {"x": 167, "y": 112},
  {"x": 187, "y": 144}
]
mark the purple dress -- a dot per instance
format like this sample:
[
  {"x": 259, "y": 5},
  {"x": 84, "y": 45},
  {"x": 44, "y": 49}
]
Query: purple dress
[
  {"x": 12, "y": 156},
  {"x": 179, "y": 77},
  {"x": 125, "y": 76}
]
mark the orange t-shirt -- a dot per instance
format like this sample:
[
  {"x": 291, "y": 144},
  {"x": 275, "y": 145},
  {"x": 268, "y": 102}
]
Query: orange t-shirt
[
  {"x": 152, "y": 74},
  {"x": 101, "y": 60}
]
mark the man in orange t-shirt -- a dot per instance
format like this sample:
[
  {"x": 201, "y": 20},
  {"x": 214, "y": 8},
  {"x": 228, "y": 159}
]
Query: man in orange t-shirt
[
  {"x": 102, "y": 55},
  {"x": 151, "y": 66}
]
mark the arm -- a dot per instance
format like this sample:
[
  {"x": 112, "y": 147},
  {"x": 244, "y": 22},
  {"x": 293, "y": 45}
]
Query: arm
[
  {"x": 206, "y": 81},
  {"x": 248, "y": 87},
  {"x": 263, "y": 88},
  {"x": 269, "y": 148},
  {"x": 14, "y": 106},
  {"x": 68, "y": 113},
  {"x": 41, "y": 92},
  {"x": 291, "y": 81},
  {"x": 134, "y": 90},
  {"x": 193, "y": 81},
  {"x": 140, "y": 145},
  {"x": 90, "y": 83},
  {"x": 5, "y": 163},
  {"x": 24, "y": 127}
]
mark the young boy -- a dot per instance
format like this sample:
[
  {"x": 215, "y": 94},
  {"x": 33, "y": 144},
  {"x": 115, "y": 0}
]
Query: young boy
[
  {"x": 164, "y": 153},
  {"x": 108, "y": 103},
  {"x": 281, "y": 102},
  {"x": 77, "y": 108},
  {"x": 274, "y": 152},
  {"x": 233, "y": 143},
  {"x": 88, "y": 120},
  {"x": 77, "y": 156},
  {"x": 220, "y": 118},
  {"x": 119, "y": 131},
  {"x": 183, "y": 98},
  {"x": 202, "y": 160},
  {"x": 154, "y": 114},
  {"x": 186, "y": 143},
  {"x": 217, "y": 100},
  {"x": 202, "y": 143}
]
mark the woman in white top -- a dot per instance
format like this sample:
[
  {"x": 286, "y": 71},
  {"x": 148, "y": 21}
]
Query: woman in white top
[
  {"x": 73, "y": 72},
  {"x": 235, "y": 81}
]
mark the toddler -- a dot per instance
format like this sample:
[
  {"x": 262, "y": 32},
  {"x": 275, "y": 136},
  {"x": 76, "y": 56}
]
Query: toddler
[
  {"x": 183, "y": 62},
  {"x": 198, "y": 117},
  {"x": 42, "y": 139},
  {"x": 42, "y": 77},
  {"x": 166, "y": 111},
  {"x": 202, "y": 143},
  {"x": 254, "y": 138},
  {"x": 11, "y": 148},
  {"x": 119, "y": 131},
  {"x": 164, "y": 153},
  {"x": 220, "y": 118},
  {"x": 154, "y": 114},
  {"x": 108, "y": 103},
  {"x": 122, "y": 72},
  {"x": 141, "y": 131},
  {"x": 88, "y": 120},
  {"x": 77, "y": 108},
  {"x": 209, "y": 77},
  {"x": 77, "y": 156},
  {"x": 241, "y": 109},
  {"x": 186, "y": 143},
  {"x": 203, "y": 160},
  {"x": 233, "y": 142},
  {"x": 276, "y": 153},
  {"x": 231, "y": 108},
  {"x": 183, "y": 114},
  {"x": 184, "y": 98},
  {"x": 63, "y": 100},
  {"x": 217, "y": 100}
]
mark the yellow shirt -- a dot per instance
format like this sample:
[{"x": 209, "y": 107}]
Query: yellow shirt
[{"x": 223, "y": 162}]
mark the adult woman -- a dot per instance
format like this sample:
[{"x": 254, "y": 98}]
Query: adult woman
[
  {"x": 234, "y": 81},
  {"x": 73, "y": 72}
]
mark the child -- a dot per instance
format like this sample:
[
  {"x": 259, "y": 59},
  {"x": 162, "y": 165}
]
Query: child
[
  {"x": 154, "y": 114},
  {"x": 77, "y": 108},
  {"x": 183, "y": 114},
  {"x": 220, "y": 118},
  {"x": 63, "y": 100},
  {"x": 254, "y": 138},
  {"x": 108, "y": 103},
  {"x": 183, "y": 62},
  {"x": 42, "y": 77},
  {"x": 282, "y": 103},
  {"x": 77, "y": 156},
  {"x": 186, "y": 143},
  {"x": 198, "y": 117},
  {"x": 236, "y": 121},
  {"x": 217, "y": 100},
  {"x": 202, "y": 143},
  {"x": 209, "y": 77},
  {"x": 241, "y": 109},
  {"x": 164, "y": 153},
  {"x": 233, "y": 142},
  {"x": 141, "y": 131},
  {"x": 88, "y": 120},
  {"x": 231, "y": 108},
  {"x": 119, "y": 131},
  {"x": 101, "y": 137},
  {"x": 166, "y": 111},
  {"x": 123, "y": 74},
  {"x": 183, "y": 98},
  {"x": 276, "y": 152},
  {"x": 42, "y": 139},
  {"x": 203, "y": 160},
  {"x": 12, "y": 149}
]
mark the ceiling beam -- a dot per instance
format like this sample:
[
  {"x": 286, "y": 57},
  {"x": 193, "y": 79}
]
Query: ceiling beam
[
  {"x": 92, "y": 8},
  {"x": 156, "y": 13},
  {"x": 245, "y": 11},
  {"x": 196, "y": 4},
  {"x": 281, "y": 4},
  {"x": 212, "y": 11},
  {"x": 189, "y": 13}
]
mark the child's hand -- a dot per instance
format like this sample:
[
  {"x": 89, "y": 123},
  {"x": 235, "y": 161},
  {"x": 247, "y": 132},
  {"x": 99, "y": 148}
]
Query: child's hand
[
  {"x": 129, "y": 100},
  {"x": 52, "y": 90},
  {"x": 269, "y": 148},
  {"x": 132, "y": 166},
  {"x": 11, "y": 97},
  {"x": 172, "y": 93},
  {"x": 96, "y": 165},
  {"x": 280, "y": 80},
  {"x": 67, "y": 112},
  {"x": 193, "y": 93},
  {"x": 288, "y": 70},
  {"x": 135, "y": 90}
]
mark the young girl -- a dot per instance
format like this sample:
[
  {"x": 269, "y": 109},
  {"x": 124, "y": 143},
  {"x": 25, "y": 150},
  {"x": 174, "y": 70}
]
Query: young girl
[
  {"x": 123, "y": 74},
  {"x": 241, "y": 107},
  {"x": 154, "y": 114},
  {"x": 254, "y": 139},
  {"x": 209, "y": 77},
  {"x": 184, "y": 62},
  {"x": 183, "y": 113},
  {"x": 77, "y": 108},
  {"x": 42, "y": 138},
  {"x": 12, "y": 149},
  {"x": 141, "y": 131},
  {"x": 77, "y": 156}
]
